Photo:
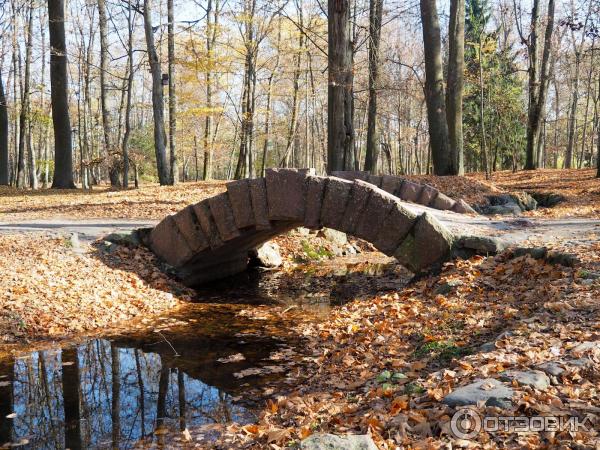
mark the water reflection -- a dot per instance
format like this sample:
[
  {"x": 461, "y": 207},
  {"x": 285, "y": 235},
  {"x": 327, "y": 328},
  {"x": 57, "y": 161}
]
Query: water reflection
[{"x": 100, "y": 395}]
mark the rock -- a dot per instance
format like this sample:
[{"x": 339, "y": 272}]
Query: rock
[
  {"x": 74, "y": 242},
  {"x": 443, "y": 202},
  {"x": 410, "y": 191},
  {"x": 374, "y": 213},
  {"x": 446, "y": 288},
  {"x": 525, "y": 201},
  {"x": 582, "y": 363},
  {"x": 391, "y": 183},
  {"x": 168, "y": 243},
  {"x": 314, "y": 201},
  {"x": 547, "y": 199},
  {"x": 222, "y": 212},
  {"x": 428, "y": 244},
  {"x": 324, "y": 441},
  {"x": 130, "y": 238},
  {"x": 482, "y": 244},
  {"x": 258, "y": 197},
  {"x": 479, "y": 391},
  {"x": 534, "y": 252},
  {"x": 286, "y": 193},
  {"x": 241, "y": 203},
  {"x": 503, "y": 210},
  {"x": 562, "y": 258},
  {"x": 359, "y": 196},
  {"x": 488, "y": 347},
  {"x": 552, "y": 368},
  {"x": 108, "y": 247},
  {"x": 267, "y": 255},
  {"x": 586, "y": 347},
  {"x": 395, "y": 228},
  {"x": 534, "y": 378},
  {"x": 335, "y": 237},
  {"x": 428, "y": 193},
  {"x": 337, "y": 194},
  {"x": 502, "y": 403},
  {"x": 463, "y": 207},
  {"x": 190, "y": 228}
]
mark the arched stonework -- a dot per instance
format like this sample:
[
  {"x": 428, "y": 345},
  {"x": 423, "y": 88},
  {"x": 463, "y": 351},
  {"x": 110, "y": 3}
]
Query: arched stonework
[
  {"x": 211, "y": 239},
  {"x": 409, "y": 191}
]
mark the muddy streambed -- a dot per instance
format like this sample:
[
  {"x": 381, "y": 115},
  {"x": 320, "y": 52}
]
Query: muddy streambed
[{"x": 205, "y": 365}]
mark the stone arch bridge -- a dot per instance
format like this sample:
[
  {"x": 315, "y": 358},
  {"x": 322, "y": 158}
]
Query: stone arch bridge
[{"x": 211, "y": 239}]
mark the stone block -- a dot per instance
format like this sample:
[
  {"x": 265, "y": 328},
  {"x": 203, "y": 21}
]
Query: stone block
[
  {"x": 258, "y": 198},
  {"x": 337, "y": 193},
  {"x": 391, "y": 183},
  {"x": 286, "y": 194},
  {"x": 207, "y": 223},
  {"x": 241, "y": 204},
  {"x": 220, "y": 208},
  {"x": 359, "y": 196},
  {"x": 351, "y": 175},
  {"x": 168, "y": 244},
  {"x": 190, "y": 228},
  {"x": 463, "y": 207},
  {"x": 315, "y": 192},
  {"x": 375, "y": 180},
  {"x": 410, "y": 191},
  {"x": 377, "y": 208},
  {"x": 429, "y": 243},
  {"x": 396, "y": 226},
  {"x": 427, "y": 195},
  {"x": 442, "y": 202}
]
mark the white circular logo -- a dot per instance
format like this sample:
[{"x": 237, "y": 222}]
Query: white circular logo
[{"x": 465, "y": 423}]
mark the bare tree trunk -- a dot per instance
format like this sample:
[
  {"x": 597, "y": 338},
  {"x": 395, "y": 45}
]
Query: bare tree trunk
[
  {"x": 538, "y": 81},
  {"x": 63, "y": 152},
  {"x": 484, "y": 148},
  {"x": 434, "y": 89},
  {"x": 598, "y": 134},
  {"x": 581, "y": 158},
  {"x": 267, "y": 141},
  {"x": 211, "y": 39},
  {"x": 108, "y": 151},
  {"x": 130, "y": 74},
  {"x": 375, "y": 16},
  {"x": 572, "y": 115},
  {"x": 293, "y": 124},
  {"x": 454, "y": 93},
  {"x": 340, "y": 127},
  {"x": 172, "y": 95},
  {"x": 4, "y": 151},
  {"x": 23, "y": 116},
  {"x": 160, "y": 138}
]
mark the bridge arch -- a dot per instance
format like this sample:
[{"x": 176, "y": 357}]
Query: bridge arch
[{"x": 210, "y": 240}]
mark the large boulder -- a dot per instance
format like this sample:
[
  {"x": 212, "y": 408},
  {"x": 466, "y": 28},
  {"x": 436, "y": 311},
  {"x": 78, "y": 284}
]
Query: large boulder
[{"x": 266, "y": 255}]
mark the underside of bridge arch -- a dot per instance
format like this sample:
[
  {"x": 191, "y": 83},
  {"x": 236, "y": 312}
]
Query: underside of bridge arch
[{"x": 211, "y": 239}]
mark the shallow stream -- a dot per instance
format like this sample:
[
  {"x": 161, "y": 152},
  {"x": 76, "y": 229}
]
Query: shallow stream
[{"x": 191, "y": 368}]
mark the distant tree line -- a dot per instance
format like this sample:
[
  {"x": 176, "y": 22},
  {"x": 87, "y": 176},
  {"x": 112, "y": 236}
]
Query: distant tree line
[{"x": 179, "y": 90}]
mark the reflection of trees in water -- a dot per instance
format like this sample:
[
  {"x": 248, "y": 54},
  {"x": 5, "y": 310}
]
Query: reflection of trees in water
[{"x": 99, "y": 395}]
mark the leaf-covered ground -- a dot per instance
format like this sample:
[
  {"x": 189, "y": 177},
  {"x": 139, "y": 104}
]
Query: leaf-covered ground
[
  {"x": 50, "y": 291},
  {"x": 580, "y": 187},
  {"x": 381, "y": 365}
]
